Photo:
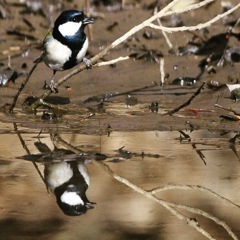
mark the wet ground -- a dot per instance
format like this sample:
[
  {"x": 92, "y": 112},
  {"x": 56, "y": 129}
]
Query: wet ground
[{"x": 119, "y": 115}]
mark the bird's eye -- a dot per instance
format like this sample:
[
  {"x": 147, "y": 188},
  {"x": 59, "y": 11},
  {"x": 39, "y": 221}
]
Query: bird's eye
[
  {"x": 74, "y": 19},
  {"x": 77, "y": 18}
]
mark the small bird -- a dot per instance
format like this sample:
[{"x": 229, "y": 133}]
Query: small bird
[
  {"x": 65, "y": 175},
  {"x": 66, "y": 44},
  {"x": 69, "y": 181}
]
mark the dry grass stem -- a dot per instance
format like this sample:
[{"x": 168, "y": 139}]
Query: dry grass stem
[
  {"x": 162, "y": 73},
  {"x": 206, "y": 215},
  {"x": 195, "y": 94},
  {"x": 114, "y": 61},
  {"x": 163, "y": 32},
  {"x": 194, "y": 187}
]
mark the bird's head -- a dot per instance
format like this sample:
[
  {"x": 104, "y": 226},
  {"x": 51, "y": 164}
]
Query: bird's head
[
  {"x": 72, "y": 199},
  {"x": 71, "y": 23}
]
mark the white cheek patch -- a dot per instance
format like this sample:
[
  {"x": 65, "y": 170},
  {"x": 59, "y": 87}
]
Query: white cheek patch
[
  {"x": 71, "y": 198},
  {"x": 69, "y": 28}
]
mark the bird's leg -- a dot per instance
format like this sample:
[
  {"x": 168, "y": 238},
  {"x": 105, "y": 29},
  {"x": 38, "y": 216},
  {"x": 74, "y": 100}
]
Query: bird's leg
[
  {"x": 87, "y": 62},
  {"x": 52, "y": 83}
]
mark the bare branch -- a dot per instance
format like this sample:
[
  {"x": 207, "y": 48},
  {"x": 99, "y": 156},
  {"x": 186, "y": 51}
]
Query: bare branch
[
  {"x": 196, "y": 27},
  {"x": 227, "y": 109},
  {"x": 166, "y": 204},
  {"x": 206, "y": 215},
  {"x": 162, "y": 74},
  {"x": 194, "y": 187},
  {"x": 100, "y": 64},
  {"x": 191, "y": 222},
  {"x": 163, "y": 32},
  {"x": 171, "y": 112}
]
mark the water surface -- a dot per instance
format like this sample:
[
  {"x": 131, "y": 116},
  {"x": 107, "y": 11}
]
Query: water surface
[{"x": 149, "y": 159}]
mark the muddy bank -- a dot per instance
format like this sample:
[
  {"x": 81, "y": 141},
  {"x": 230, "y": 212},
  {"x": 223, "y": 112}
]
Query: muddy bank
[{"x": 128, "y": 79}]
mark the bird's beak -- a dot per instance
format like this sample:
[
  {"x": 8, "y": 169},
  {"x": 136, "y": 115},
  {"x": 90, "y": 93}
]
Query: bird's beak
[
  {"x": 88, "y": 20},
  {"x": 90, "y": 205}
]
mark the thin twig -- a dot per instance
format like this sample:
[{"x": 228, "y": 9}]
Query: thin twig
[
  {"x": 162, "y": 74},
  {"x": 191, "y": 222},
  {"x": 196, "y": 27},
  {"x": 206, "y": 215},
  {"x": 29, "y": 153},
  {"x": 171, "y": 112},
  {"x": 188, "y": 8},
  {"x": 22, "y": 86},
  {"x": 163, "y": 32},
  {"x": 227, "y": 109},
  {"x": 194, "y": 187},
  {"x": 110, "y": 62}
]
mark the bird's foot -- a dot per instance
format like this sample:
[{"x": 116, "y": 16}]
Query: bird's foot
[
  {"x": 88, "y": 63},
  {"x": 53, "y": 87}
]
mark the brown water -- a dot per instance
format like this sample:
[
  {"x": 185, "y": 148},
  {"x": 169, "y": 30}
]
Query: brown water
[{"x": 28, "y": 211}]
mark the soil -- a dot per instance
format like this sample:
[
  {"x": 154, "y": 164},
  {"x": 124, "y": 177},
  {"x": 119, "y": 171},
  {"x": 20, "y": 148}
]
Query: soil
[{"x": 136, "y": 78}]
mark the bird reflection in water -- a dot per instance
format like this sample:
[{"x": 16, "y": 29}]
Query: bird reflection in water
[
  {"x": 69, "y": 180},
  {"x": 65, "y": 171},
  {"x": 66, "y": 175}
]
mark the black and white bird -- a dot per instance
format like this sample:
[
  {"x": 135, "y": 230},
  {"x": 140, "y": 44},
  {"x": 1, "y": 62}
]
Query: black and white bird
[
  {"x": 65, "y": 175},
  {"x": 66, "y": 44},
  {"x": 69, "y": 181}
]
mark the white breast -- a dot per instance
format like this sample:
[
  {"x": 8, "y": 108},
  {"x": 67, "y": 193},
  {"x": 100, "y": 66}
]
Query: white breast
[
  {"x": 56, "y": 54},
  {"x": 58, "y": 173}
]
